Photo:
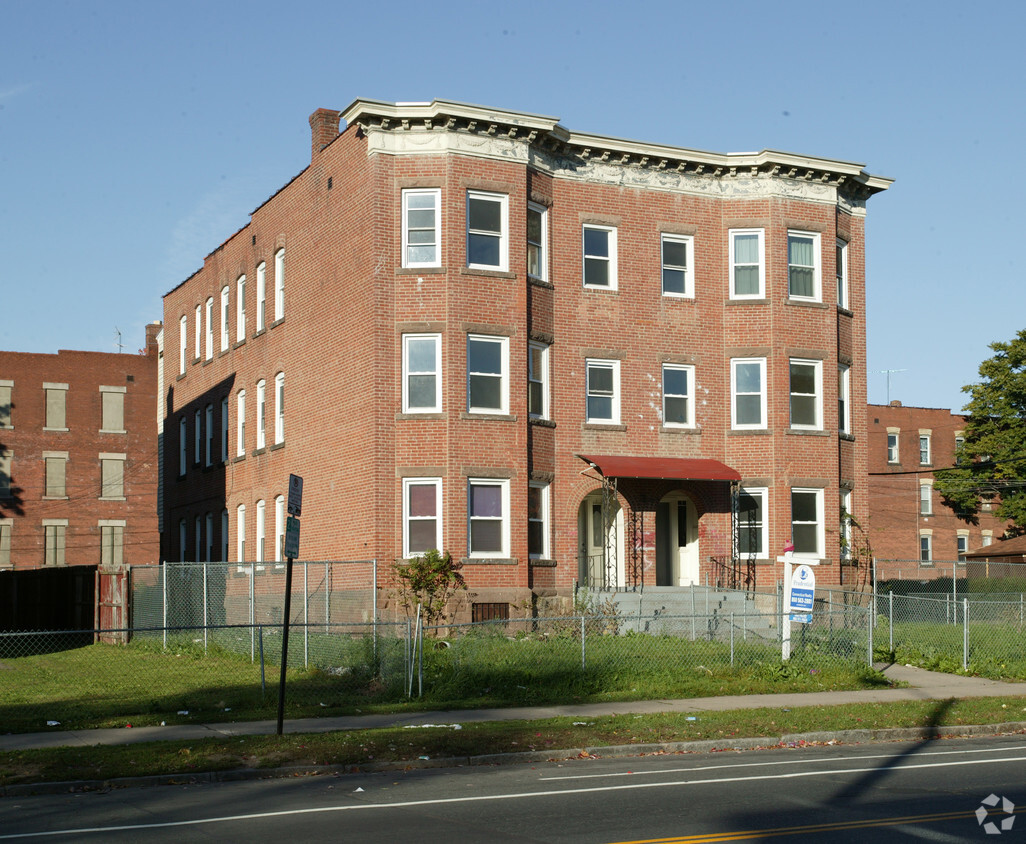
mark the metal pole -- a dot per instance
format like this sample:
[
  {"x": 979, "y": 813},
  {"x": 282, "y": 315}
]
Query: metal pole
[
  {"x": 374, "y": 599},
  {"x": 890, "y": 619},
  {"x": 692, "y": 612},
  {"x": 869, "y": 639},
  {"x": 954, "y": 584},
  {"x": 582, "y": 644},
  {"x": 206, "y": 619},
  {"x": 420, "y": 653},
  {"x": 285, "y": 643},
  {"x": 306, "y": 616},
  {"x": 327, "y": 596},
  {"x": 965, "y": 634},
  {"x": 164, "y": 567},
  {"x": 252, "y": 608},
  {"x": 263, "y": 679},
  {"x": 732, "y": 640}
]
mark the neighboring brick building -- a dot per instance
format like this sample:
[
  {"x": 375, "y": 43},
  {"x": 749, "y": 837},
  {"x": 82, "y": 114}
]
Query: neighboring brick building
[
  {"x": 908, "y": 520},
  {"x": 78, "y": 458},
  {"x": 559, "y": 356}
]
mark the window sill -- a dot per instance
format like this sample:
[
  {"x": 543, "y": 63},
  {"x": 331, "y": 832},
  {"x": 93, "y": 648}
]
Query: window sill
[
  {"x": 807, "y": 432},
  {"x": 679, "y": 429},
  {"x": 55, "y": 498},
  {"x": 276, "y": 446},
  {"x": 597, "y": 288},
  {"x": 432, "y": 270},
  {"x": 742, "y": 300},
  {"x": 112, "y": 431},
  {"x": 432, "y": 414},
  {"x": 258, "y": 451},
  {"x": 277, "y": 322},
  {"x": 485, "y": 272},
  {"x": 180, "y": 376},
  {"x": 844, "y": 435},
  {"x": 541, "y": 564},
  {"x": 845, "y": 311},
  {"x": 239, "y": 458},
  {"x": 259, "y": 333},
  {"x": 113, "y": 498},
  {"x": 64, "y": 430},
  {"x": 208, "y": 361},
  {"x": 489, "y": 561},
  {"x": 540, "y": 282},
  {"x": 237, "y": 344},
  {"x": 806, "y": 303},
  {"x": 484, "y": 415},
  {"x": 679, "y": 297},
  {"x": 743, "y": 432},
  {"x": 542, "y": 423},
  {"x": 603, "y": 426}
]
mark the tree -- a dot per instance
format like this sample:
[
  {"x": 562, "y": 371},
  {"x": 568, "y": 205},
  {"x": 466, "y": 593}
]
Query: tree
[
  {"x": 431, "y": 580},
  {"x": 991, "y": 462}
]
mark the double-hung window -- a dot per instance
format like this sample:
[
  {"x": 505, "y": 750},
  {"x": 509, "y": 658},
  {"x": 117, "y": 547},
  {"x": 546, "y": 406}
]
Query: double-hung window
[
  {"x": 842, "y": 274},
  {"x": 197, "y": 436},
  {"x": 279, "y": 408},
  {"x": 54, "y": 531},
  {"x": 261, "y": 414},
  {"x": 924, "y": 449},
  {"x": 487, "y": 374},
  {"x": 806, "y": 379},
  {"x": 807, "y": 522},
  {"x": 224, "y": 536},
  {"x": 112, "y": 542},
  {"x": 198, "y": 333},
  {"x": 603, "y": 392},
  {"x": 925, "y": 498},
  {"x": 209, "y": 328},
  {"x": 487, "y": 228},
  {"x": 748, "y": 393},
  {"x": 261, "y": 529},
  {"x": 488, "y": 517},
  {"x": 844, "y": 399},
  {"x": 962, "y": 546},
  {"x": 422, "y": 516},
  {"x": 537, "y": 241},
  {"x": 422, "y": 373},
  {"x": 240, "y": 426},
  {"x": 752, "y": 525},
  {"x": 240, "y": 309},
  {"x": 892, "y": 446},
  {"x": 224, "y": 318},
  {"x": 747, "y": 264},
  {"x": 240, "y": 538},
  {"x": 422, "y": 228},
  {"x": 599, "y": 257},
  {"x": 538, "y": 380},
  {"x": 279, "y": 527},
  {"x": 261, "y": 292},
  {"x": 803, "y": 274},
  {"x": 678, "y": 390},
  {"x": 677, "y": 260},
  {"x": 279, "y": 285},
  {"x": 846, "y": 523},
  {"x": 925, "y": 546},
  {"x": 183, "y": 339},
  {"x": 538, "y": 520},
  {"x": 209, "y": 422},
  {"x": 183, "y": 446},
  {"x": 224, "y": 429}
]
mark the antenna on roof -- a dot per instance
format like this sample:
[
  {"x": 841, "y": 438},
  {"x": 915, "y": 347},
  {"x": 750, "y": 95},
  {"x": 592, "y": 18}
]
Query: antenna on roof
[
  {"x": 119, "y": 344},
  {"x": 888, "y": 373}
]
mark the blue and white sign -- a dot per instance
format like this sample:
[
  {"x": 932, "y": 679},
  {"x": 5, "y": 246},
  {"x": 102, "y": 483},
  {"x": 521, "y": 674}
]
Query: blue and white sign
[{"x": 803, "y": 590}]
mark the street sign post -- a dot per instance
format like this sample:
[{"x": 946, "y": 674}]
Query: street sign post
[{"x": 295, "y": 508}]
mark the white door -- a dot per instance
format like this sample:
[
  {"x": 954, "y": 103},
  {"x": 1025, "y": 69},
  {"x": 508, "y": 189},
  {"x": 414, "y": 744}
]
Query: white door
[{"x": 600, "y": 571}]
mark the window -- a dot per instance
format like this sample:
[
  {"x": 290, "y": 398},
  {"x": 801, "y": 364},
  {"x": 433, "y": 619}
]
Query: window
[
  {"x": 261, "y": 272},
  {"x": 6, "y": 387},
  {"x": 959, "y": 446},
  {"x": 538, "y": 521},
  {"x": 807, "y": 522},
  {"x": 986, "y": 539},
  {"x": 261, "y": 518},
  {"x": 279, "y": 527},
  {"x": 806, "y": 390},
  {"x": 112, "y": 410},
  {"x": 279, "y": 285},
  {"x": 197, "y": 536},
  {"x": 925, "y": 546},
  {"x": 537, "y": 241},
  {"x": 6, "y": 527},
  {"x": 422, "y": 371},
  {"x": 209, "y": 533},
  {"x": 279, "y": 408},
  {"x": 538, "y": 380},
  {"x": 261, "y": 424},
  {"x": 240, "y": 526},
  {"x": 6, "y": 457},
  {"x": 422, "y": 515},
  {"x": 487, "y": 374},
  {"x": 752, "y": 525},
  {"x": 421, "y": 228},
  {"x": 925, "y": 499},
  {"x": 224, "y": 318},
  {"x": 487, "y": 243},
  {"x": 112, "y": 543},
  {"x": 197, "y": 430},
  {"x": 677, "y": 261},
  {"x": 198, "y": 332},
  {"x": 846, "y": 523},
  {"x": 183, "y": 338},
  {"x": 842, "y": 274},
  {"x": 892, "y": 446},
  {"x": 600, "y": 257},
  {"x": 678, "y": 407},
  {"x": 55, "y": 465},
  {"x": 183, "y": 446},
  {"x": 748, "y": 393},
  {"x": 924, "y": 449},
  {"x": 54, "y": 532},
  {"x": 843, "y": 401},
  {"x": 112, "y": 476},
  {"x": 803, "y": 276},
  {"x": 747, "y": 267},
  {"x": 224, "y": 429},
  {"x": 962, "y": 546},
  {"x": 240, "y": 430},
  {"x": 56, "y": 404},
  {"x": 182, "y": 552},
  {"x": 240, "y": 309},
  {"x": 603, "y": 392},
  {"x": 209, "y": 450},
  {"x": 209, "y": 333},
  {"x": 224, "y": 536},
  {"x": 488, "y": 522}
]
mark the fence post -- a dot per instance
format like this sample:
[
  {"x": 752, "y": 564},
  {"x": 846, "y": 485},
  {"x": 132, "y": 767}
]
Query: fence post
[
  {"x": 965, "y": 634},
  {"x": 206, "y": 618},
  {"x": 306, "y": 616},
  {"x": 374, "y": 614},
  {"x": 252, "y": 607},
  {"x": 263, "y": 683},
  {"x": 327, "y": 597},
  {"x": 869, "y": 637},
  {"x": 732, "y": 640},
  {"x": 890, "y": 619},
  {"x": 954, "y": 585},
  {"x": 872, "y": 615},
  {"x": 1020, "y": 612},
  {"x": 164, "y": 567},
  {"x": 583, "y": 657},
  {"x": 692, "y": 612}
]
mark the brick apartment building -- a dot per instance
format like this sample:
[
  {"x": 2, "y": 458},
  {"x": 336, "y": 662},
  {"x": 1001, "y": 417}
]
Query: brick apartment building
[
  {"x": 78, "y": 458},
  {"x": 908, "y": 520},
  {"x": 561, "y": 357}
]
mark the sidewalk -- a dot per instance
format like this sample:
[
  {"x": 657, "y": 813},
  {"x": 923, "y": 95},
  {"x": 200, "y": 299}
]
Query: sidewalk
[{"x": 921, "y": 685}]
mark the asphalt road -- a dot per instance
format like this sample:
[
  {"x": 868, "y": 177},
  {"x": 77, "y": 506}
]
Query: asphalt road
[{"x": 924, "y": 791}]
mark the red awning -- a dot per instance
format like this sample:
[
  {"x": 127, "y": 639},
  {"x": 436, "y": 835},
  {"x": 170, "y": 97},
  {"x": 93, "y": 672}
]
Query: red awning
[{"x": 675, "y": 468}]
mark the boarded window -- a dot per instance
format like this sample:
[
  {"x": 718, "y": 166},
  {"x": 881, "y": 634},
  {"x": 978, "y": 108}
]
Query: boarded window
[
  {"x": 55, "y": 477},
  {"x": 112, "y": 478},
  {"x": 113, "y": 411},
  {"x": 5, "y": 405},
  {"x": 112, "y": 543},
  {"x": 5, "y": 473},
  {"x": 54, "y": 545},
  {"x": 489, "y": 612},
  {"x": 55, "y": 403},
  {"x": 5, "y": 545}
]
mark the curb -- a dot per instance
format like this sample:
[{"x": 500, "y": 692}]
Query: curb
[{"x": 495, "y": 759}]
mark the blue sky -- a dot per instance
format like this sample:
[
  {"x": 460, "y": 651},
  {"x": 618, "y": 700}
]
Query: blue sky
[{"x": 135, "y": 137}]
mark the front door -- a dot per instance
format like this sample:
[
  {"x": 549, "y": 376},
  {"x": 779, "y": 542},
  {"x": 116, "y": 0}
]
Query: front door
[
  {"x": 601, "y": 545},
  {"x": 677, "y": 558}
]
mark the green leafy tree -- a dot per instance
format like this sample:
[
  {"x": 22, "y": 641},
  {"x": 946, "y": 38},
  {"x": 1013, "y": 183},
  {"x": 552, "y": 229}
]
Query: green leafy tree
[
  {"x": 432, "y": 580},
  {"x": 991, "y": 461}
]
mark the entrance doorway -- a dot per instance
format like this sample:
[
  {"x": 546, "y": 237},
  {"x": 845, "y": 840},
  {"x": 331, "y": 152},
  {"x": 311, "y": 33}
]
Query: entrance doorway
[
  {"x": 601, "y": 545},
  {"x": 677, "y": 558}
]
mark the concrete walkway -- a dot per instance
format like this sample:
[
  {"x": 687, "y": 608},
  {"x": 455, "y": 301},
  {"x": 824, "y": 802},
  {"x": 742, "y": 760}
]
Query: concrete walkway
[{"x": 921, "y": 685}]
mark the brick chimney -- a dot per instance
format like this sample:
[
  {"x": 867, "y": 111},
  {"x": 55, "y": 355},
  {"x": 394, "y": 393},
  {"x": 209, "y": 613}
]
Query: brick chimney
[
  {"x": 152, "y": 330},
  {"x": 324, "y": 128}
]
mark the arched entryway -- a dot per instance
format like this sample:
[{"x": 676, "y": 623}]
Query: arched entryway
[
  {"x": 677, "y": 551},
  {"x": 601, "y": 535}
]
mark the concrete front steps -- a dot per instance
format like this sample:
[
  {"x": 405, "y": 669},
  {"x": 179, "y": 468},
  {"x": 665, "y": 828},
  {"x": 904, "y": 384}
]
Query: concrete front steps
[{"x": 695, "y": 611}]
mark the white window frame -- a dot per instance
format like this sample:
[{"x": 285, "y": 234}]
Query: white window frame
[
  {"x": 844, "y": 398},
  {"x": 819, "y": 523},
  {"x": 503, "y": 485},
  {"x": 240, "y": 533},
  {"x": 540, "y": 246},
  {"x": 279, "y": 285},
  {"x": 925, "y": 439},
  {"x": 762, "y": 494},
  {"x": 261, "y": 292},
  {"x": 734, "y": 395},
  {"x": 502, "y": 236},
  {"x": 543, "y": 518},
  {"x": 183, "y": 340},
  {"x": 614, "y": 367},
  {"x": 199, "y": 332},
  {"x": 689, "y": 396},
  {"x": 279, "y": 527},
  {"x": 209, "y": 331},
  {"x": 817, "y": 266},
  {"x": 688, "y": 271},
  {"x": 538, "y": 374},
  {"x": 610, "y": 259},
  {"x": 503, "y": 374},
  {"x": 817, "y": 397},
  {"x": 961, "y": 545},
  {"x": 240, "y": 424},
  {"x": 843, "y": 293},
  {"x": 846, "y": 520},
  {"x": 261, "y": 410},
  {"x": 183, "y": 446},
  {"x": 436, "y": 196},
  {"x": 409, "y": 372},
  {"x": 279, "y": 408},
  {"x": 225, "y": 294},
  {"x": 925, "y": 498},
  {"x": 240, "y": 308},
  {"x": 261, "y": 531},
  {"x": 733, "y": 234},
  {"x": 895, "y": 455},
  {"x": 926, "y": 546},
  {"x": 407, "y": 484}
]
